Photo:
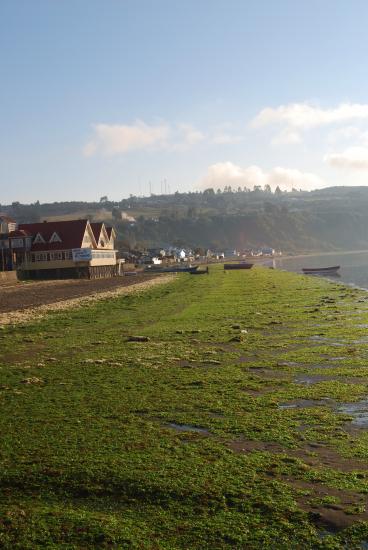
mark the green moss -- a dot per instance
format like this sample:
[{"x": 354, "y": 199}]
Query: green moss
[{"x": 88, "y": 454}]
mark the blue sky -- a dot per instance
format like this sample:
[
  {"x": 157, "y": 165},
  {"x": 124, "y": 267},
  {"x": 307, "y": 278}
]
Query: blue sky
[{"x": 103, "y": 97}]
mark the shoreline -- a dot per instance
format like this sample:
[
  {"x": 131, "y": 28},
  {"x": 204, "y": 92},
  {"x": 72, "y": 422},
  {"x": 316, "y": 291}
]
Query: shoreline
[{"x": 311, "y": 255}]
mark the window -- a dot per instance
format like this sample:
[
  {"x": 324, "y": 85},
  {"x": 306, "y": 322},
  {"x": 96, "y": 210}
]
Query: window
[
  {"x": 97, "y": 254},
  {"x": 38, "y": 239},
  {"x": 55, "y": 238},
  {"x": 56, "y": 255},
  {"x": 41, "y": 257}
]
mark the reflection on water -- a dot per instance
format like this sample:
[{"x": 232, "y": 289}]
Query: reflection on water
[
  {"x": 358, "y": 411},
  {"x": 353, "y": 271}
]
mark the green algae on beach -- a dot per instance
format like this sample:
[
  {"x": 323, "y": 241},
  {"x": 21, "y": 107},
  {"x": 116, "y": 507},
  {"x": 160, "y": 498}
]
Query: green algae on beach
[{"x": 230, "y": 423}]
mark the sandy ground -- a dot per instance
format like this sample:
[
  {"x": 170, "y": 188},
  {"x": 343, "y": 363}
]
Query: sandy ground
[{"x": 22, "y": 302}]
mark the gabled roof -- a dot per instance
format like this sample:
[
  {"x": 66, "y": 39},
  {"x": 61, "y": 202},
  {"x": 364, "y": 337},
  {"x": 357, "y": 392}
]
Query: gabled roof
[
  {"x": 96, "y": 228},
  {"x": 110, "y": 231},
  {"x": 70, "y": 232}
]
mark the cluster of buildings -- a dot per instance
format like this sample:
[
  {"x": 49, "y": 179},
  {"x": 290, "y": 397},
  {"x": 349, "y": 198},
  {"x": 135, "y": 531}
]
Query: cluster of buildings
[
  {"x": 170, "y": 254},
  {"x": 57, "y": 250},
  {"x": 82, "y": 249},
  {"x": 166, "y": 255},
  {"x": 264, "y": 251}
]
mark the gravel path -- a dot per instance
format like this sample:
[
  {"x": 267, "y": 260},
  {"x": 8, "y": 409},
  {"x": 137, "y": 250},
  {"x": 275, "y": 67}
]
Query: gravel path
[{"x": 26, "y": 301}]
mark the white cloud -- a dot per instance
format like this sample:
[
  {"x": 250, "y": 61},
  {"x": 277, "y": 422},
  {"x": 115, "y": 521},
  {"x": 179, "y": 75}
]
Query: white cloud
[
  {"x": 89, "y": 149},
  {"x": 114, "y": 139},
  {"x": 304, "y": 116},
  {"x": 287, "y": 137},
  {"x": 355, "y": 158},
  {"x": 119, "y": 139},
  {"x": 190, "y": 134},
  {"x": 224, "y": 134},
  {"x": 346, "y": 133},
  {"x": 226, "y": 173},
  {"x": 185, "y": 136}
]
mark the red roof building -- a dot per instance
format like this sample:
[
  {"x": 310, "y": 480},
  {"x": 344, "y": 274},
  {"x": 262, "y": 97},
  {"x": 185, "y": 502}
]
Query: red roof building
[{"x": 74, "y": 248}]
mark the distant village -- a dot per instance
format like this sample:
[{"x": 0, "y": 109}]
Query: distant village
[
  {"x": 175, "y": 254},
  {"x": 84, "y": 249}
]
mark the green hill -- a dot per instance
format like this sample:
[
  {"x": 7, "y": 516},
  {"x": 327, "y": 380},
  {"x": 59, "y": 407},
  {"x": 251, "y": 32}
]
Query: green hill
[{"x": 329, "y": 219}]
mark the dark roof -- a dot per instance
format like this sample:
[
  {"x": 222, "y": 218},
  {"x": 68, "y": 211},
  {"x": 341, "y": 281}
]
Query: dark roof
[
  {"x": 19, "y": 233},
  {"x": 70, "y": 232},
  {"x": 96, "y": 228},
  {"x": 108, "y": 231}
]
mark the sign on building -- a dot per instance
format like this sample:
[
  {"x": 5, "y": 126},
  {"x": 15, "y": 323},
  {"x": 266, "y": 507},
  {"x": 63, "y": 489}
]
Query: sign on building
[{"x": 82, "y": 254}]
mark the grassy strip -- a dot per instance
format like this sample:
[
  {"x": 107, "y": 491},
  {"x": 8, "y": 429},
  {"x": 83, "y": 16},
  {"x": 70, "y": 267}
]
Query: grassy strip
[{"x": 226, "y": 428}]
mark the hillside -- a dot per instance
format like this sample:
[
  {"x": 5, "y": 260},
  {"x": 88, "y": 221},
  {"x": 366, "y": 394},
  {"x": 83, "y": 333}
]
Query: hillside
[{"x": 329, "y": 219}]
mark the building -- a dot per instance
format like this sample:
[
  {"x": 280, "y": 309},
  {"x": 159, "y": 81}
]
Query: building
[
  {"x": 7, "y": 224},
  {"x": 14, "y": 244},
  {"x": 68, "y": 249}
]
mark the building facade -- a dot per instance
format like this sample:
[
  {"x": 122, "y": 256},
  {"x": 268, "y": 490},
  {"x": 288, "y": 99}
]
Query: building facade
[
  {"x": 68, "y": 249},
  {"x": 14, "y": 244}
]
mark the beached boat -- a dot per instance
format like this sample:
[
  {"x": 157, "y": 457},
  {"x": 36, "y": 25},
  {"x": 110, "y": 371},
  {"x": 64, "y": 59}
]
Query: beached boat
[
  {"x": 172, "y": 269},
  {"x": 200, "y": 272},
  {"x": 240, "y": 265},
  {"x": 321, "y": 270}
]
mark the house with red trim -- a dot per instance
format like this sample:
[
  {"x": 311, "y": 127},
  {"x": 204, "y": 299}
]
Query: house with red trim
[{"x": 68, "y": 249}]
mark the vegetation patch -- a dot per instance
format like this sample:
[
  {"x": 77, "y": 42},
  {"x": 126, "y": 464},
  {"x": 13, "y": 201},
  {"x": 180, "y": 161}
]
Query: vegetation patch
[{"x": 186, "y": 437}]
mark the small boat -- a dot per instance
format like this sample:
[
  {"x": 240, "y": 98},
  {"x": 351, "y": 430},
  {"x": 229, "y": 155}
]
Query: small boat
[
  {"x": 240, "y": 265},
  {"x": 200, "y": 272},
  {"x": 172, "y": 269},
  {"x": 321, "y": 270}
]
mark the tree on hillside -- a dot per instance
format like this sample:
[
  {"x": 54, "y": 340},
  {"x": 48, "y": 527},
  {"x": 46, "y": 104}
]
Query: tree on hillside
[
  {"x": 116, "y": 214},
  {"x": 209, "y": 191}
]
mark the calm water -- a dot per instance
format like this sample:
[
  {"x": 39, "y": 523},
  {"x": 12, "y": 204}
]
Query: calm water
[{"x": 354, "y": 266}]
